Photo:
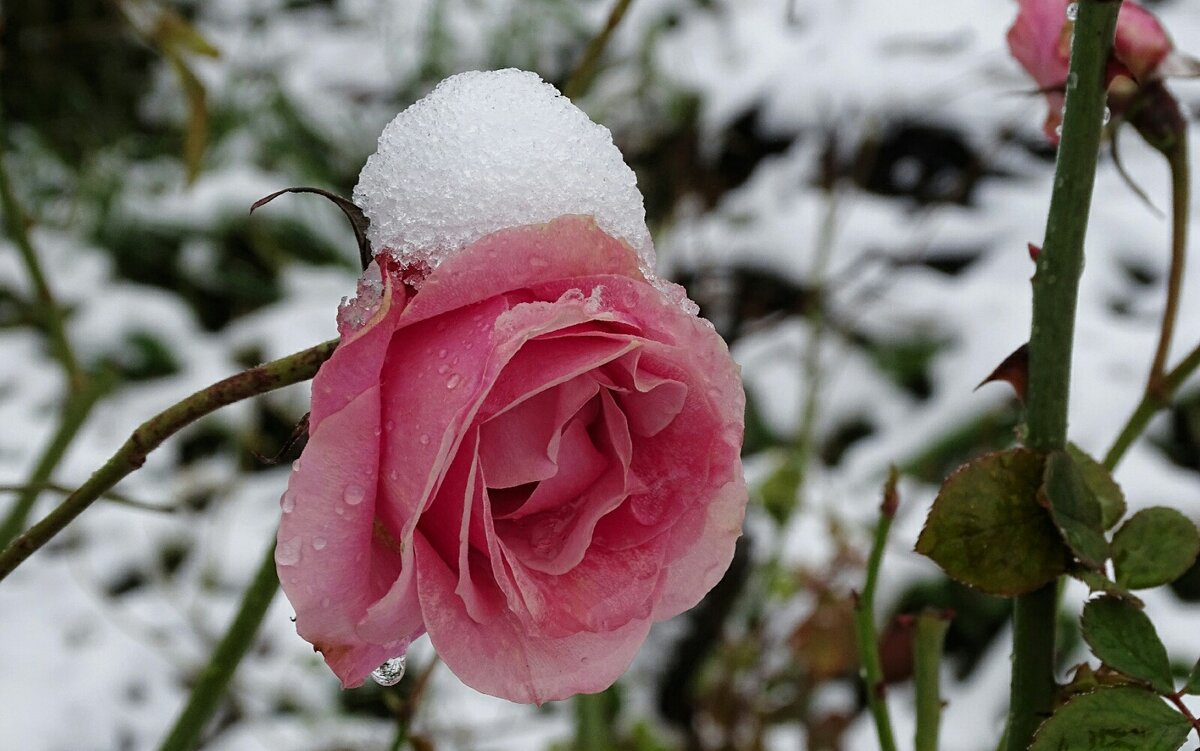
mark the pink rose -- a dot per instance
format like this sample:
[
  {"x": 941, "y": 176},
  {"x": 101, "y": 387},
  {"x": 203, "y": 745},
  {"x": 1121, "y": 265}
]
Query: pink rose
[
  {"x": 1040, "y": 39},
  {"x": 533, "y": 458}
]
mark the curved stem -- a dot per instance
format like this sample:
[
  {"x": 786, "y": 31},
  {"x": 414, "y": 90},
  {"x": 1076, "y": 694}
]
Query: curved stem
[
  {"x": 1177, "y": 158},
  {"x": 213, "y": 682},
  {"x": 581, "y": 77},
  {"x": 1055, "y": 292},
  {"x": 15, "y": 223},
  {"x": 1149, "y": 406},
  {"x": 150, "y": 434}
]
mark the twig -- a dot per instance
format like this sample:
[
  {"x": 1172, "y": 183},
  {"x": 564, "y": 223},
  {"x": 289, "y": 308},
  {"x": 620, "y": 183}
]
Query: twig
[
  {"x": 1055, "y": 294},
  {"x": 864, "y": 621},
  {"x": 213, "y": 682},
  {"x": 1178, "y": 160},
  {"x": 581, "y": 77},
  {"x": 150, "y": 434},
  {"x": 117, "y": 498},
  {"x": 15, "y": 222}
]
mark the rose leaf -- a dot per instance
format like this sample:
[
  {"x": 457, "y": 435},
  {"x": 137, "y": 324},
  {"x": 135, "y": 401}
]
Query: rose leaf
[
  {"x": 1113, "y": 719},
  {"x": 987, "y": 530},
  {"x": 1103, "y": 486},
  {"x": 1123, "y": 637},
  {"x": 1154, "y": 546},
  {"x": 1074, "y": 509}
]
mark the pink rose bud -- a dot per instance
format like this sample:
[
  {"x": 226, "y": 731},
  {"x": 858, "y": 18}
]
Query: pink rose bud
[
  {"x": 530, "y": 450},
  {"x": 1040, "y": 39}
]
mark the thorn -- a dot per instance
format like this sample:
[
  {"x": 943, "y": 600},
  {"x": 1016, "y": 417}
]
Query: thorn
[
  {"x": 1013, "y": 370},
  {"x": 1034, "y": 251}
]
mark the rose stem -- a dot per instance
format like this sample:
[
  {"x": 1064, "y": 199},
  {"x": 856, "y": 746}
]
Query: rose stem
[
  {"x": 864, "y": 621},
  {"x": 213, "y": 681},
  {"x": 15, "y": 222},
  {"x": 581, "y": 77},
  {"x": 149, "y": 435},
  {"x": 1160, "y": 388},
  {"x": 1055, "y": 293},
  {"x": 927, "y": 664},
  {"x": 1149, "y": 406}
]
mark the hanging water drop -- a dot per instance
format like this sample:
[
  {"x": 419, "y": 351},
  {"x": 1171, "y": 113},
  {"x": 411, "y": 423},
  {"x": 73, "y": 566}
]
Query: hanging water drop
[
  {"x": 390, "y": 672},
  {"x": 1107, "y": 116},
  {"x": 1072, "y": 11},
  {"x": 287, "y": 501}
]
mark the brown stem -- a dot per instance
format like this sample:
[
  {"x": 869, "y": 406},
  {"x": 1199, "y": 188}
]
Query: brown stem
[
  {"x": 150, "y": 434},
  {"x": 1178, "y": 160}
]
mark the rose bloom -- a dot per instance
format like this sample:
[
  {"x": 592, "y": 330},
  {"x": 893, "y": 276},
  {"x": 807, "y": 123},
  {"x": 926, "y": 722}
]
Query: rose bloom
[
  {"x": 532, "y": 457},
  {"x": 1040, "y": 39}
]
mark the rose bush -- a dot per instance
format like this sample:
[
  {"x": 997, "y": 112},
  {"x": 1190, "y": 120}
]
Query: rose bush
[
  {"x": 532, "y": 457},
  {"x": 1040, "y": 39}
]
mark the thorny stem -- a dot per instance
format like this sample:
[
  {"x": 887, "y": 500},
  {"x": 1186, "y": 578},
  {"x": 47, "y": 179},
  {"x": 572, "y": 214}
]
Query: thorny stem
[
  {"x": 15, "y": 223},
  {"x": 74, "y": 413},
  {"x": 213, "y": 681},
  {"x": 1055, "y": 293},
  {"x": 149, "y": 435},
  {"x": 581, "y": 77},
  {"x": 1149, "y": 406},
  {"x": 864, "y": 621}
]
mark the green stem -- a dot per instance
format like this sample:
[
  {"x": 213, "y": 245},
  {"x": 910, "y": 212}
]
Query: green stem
[
  {"x": 927, "y": 663},
  {"x": 1055, "y": 293},
  {"x": 150, "y": 434},
  {"x": 592, "y": 732},
  {"x": 74, "y": 413},
  {"x": 1161, "y": 387},
  {"x": 15, "y": 223},
  {"x": 213, "y": 682},
  {"x": 864, "y": 622},
  {"x": 581, "y": 77}
]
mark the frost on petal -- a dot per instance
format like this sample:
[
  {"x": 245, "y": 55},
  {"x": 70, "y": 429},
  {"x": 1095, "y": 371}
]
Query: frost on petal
[{"x": 490, "y": 150}]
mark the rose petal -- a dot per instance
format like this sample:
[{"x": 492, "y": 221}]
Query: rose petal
[{"x": 500, "y": 658}]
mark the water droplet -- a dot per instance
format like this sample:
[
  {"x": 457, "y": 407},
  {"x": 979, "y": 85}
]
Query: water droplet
[
  {"x": 390, "y": 672},
  {"x": 288, "y": 553},
  {"x": 442, "y": 353},
  {"x": 443, "y": 368},
  {"x": 287, "y": 501},
  {"x": 319, "y": 543},
  {"x": 1107, "y": 116},
  {"x": 354, "y": 495},
  {"x": 453, "y": 380},
  {"x": 1072, "y": 11},
  {"x": 296, "y": 466},
  {"x": 424, "y": 439}
]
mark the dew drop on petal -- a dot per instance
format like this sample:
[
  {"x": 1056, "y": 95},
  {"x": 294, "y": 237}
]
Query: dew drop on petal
[
  {"x": 443, "y": 368},
  {"x": 390, "y": 672},
  {"x": 287, "y": 501},
  {"x": 288, "y": 553},
  {"x": 424, "y": 439},
  {"x": 1072, "y": 11},
  {"x": 354, "y": 495},
  {"x": 296, "y": 466},
  {"x": 318, "y": 543},
  {"x": 442, "y": 353},
  {"x": 1107, "y": 116},
  {"x": 453, "y": 380}
]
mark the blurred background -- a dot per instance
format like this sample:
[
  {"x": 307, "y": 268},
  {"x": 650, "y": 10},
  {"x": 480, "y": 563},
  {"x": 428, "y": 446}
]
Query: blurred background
[{"x": 846, "y": 187}]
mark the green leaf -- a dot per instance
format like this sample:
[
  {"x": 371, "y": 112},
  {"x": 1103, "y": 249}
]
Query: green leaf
[
  {"x": 1074, "y": 509},
  {"x": 1193, "y": 681},
  {"x": 1123, "y": 637},
  {"x": 1125, "y": 718},
  {"x": 987, "y": 530},
  {"x": 1154, "y": 546},
  {"x": 1099, "y": 583},
  {"x": 1102, "y": 484}
]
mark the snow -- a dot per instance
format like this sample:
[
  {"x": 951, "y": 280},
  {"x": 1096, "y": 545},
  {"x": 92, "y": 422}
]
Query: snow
[{"x": 490, "y": 150}]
